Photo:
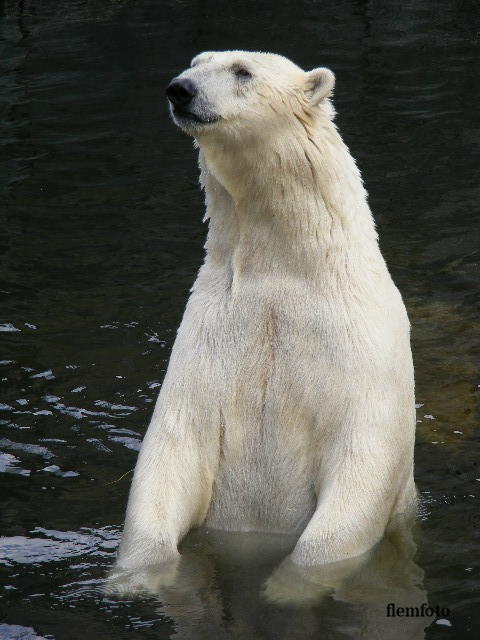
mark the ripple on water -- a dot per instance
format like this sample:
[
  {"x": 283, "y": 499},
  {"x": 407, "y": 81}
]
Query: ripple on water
[
  {"x": 8, "y": 464},
  {"x": 34, "y": 449},
  {"x": 8, "y": 327},
  {"x": 55, "y": 469},
  {"x": 48, "y": 545},
  {"x": 130, "y": 443},
  {"x": 17, "y": 632}
]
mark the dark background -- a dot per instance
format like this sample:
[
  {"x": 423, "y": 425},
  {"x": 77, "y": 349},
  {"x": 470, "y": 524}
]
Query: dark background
[{"x": 101, "y": 237}]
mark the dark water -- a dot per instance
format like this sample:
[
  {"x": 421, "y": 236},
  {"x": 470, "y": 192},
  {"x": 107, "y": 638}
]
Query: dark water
[{"x": 101, "y": 237}]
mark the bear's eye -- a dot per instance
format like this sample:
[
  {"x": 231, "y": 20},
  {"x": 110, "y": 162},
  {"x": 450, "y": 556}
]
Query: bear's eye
[{"x": 241, "y": 72}]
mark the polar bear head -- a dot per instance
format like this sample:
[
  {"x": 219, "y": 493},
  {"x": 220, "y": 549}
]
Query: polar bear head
[{"x": 239, "y": 95}]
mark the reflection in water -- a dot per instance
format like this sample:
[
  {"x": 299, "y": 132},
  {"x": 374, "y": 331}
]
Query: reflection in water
[{"x": 233, "y": 584}]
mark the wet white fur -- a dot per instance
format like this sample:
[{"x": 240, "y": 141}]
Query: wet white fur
[{"x": 288, "y": 404}]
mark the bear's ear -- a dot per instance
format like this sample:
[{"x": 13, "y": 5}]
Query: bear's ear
[
  {"x": 319, "y": 84},
  {"x": 205, "y": 56}
]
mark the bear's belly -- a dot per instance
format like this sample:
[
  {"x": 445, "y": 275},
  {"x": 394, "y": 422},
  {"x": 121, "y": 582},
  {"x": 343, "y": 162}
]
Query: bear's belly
[
  {"x": 267, "y": 393},
  {"x": 246, "y": 498},
  {"x": 265, "y": 475}
]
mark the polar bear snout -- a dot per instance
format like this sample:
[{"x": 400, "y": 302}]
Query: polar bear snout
[
  {"x": 190, "y": 110},
  {"x": 181, "y": 91}
]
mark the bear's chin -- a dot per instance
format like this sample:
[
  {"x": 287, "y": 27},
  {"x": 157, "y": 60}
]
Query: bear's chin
[{"x": 189, "y": 121}]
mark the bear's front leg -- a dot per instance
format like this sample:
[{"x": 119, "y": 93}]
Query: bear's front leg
[
  {"x": 366, "y": 478},
  {"x": 173, "y": 479}
]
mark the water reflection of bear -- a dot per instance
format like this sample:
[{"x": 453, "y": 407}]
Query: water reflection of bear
[{"x": 243, "y": 585}]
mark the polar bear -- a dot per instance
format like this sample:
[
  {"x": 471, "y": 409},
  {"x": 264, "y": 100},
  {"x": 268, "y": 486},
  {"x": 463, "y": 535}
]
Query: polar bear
[{"x": 288, "y": 403}]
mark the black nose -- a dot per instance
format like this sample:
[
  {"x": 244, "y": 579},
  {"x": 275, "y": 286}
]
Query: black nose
[{"x": 180, "y": 92}]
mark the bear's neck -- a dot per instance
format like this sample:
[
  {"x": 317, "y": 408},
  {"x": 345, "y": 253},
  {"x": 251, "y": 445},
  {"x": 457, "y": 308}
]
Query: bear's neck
[{"x": 296, "y": 206}]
